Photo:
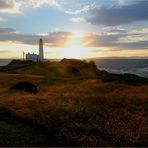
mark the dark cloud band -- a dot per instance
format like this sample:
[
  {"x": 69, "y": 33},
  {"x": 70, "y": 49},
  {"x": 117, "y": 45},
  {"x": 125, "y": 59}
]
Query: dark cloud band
[{"x": 119, "y": 15}]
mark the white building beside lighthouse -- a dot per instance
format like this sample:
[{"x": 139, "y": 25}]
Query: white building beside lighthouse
[{"x": 35, "y": 57}]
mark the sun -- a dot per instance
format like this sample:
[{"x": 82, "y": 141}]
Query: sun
[{"x": 74, "y": 47}]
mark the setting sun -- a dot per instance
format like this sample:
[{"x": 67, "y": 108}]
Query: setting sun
[{"x": 74, "y": 47}]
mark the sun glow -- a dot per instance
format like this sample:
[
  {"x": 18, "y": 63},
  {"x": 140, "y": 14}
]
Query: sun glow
[{"x": 74, "y": 47}]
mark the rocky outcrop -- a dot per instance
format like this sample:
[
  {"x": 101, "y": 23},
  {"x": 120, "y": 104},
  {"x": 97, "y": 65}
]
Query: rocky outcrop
[{"x": 25, "y": 86}]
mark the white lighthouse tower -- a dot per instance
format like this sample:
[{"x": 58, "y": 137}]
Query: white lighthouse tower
[{"x": 41, "y": 52}]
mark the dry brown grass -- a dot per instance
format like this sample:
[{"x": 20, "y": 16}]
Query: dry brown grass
[{"x": 81, "y": 112}]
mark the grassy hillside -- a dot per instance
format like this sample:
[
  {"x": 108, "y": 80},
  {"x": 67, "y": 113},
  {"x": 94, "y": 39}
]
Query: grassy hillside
[
  {"x": 76, "y": 110},
  {"x": 64, "y": 68}
]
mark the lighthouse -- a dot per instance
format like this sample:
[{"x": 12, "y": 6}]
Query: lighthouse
[
  {"x": 41, "y": 53},
  {"x": 35, "y": 57}
]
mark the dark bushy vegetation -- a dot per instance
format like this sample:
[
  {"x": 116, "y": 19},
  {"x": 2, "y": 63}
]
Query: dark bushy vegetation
[
  {"x": 125, "y": 78},
  {"x": 25, "y": 86}
]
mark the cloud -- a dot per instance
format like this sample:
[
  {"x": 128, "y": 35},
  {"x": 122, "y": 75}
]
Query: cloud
[
  {"x": 57, "y": 39},
  {"x": 14, "y": 6},
  {"x": 115, "y": 39},
  {"x": 79, "y": 11},
  {"x": 39, "y": 3},
  {"x": 6, "y": 31},
  {"x": 63, "y": 5},
  {"x": 118, "y": 39},
  {"x": 2, "y": 20},
  {"x": 134, "y": 45},
  {"x": 102, "y": 39},
  {"x": 9, "y": 6},
  {"x": 117, "y": 31},
  {"x": 6, "y": 4},
  {"x": 120, "y": 15},
  {"x": 4, "y": 51},
  {"x": 136, "y": 35},
  {"x": 54, "y": 39},
  {"x": 121, "y": 2},
  {"x": 140, "y": 31},
  {"x": 126, "y": 2},
  {"x": 78, "y": 19}
]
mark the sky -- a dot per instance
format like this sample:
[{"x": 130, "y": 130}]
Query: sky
[{"x": 74, "y": 28}]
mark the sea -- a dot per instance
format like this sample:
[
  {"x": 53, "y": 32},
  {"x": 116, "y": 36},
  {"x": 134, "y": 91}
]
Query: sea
[
  {"x": 117, "y": 66},
  {"x": 4, "y": 62},
  {"x": 122, "y": 66}
]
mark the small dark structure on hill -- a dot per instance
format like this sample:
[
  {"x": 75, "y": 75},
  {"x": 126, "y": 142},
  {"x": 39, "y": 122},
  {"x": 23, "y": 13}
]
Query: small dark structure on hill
[{"x": 26, "y": 87}]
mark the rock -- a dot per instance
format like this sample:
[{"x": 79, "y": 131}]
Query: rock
[
  {"x": 75, "y": 71},
  {"x": 25, "y": 86}
]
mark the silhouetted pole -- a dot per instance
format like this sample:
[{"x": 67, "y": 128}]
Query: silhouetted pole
[{"x": 23, "y": 55}]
